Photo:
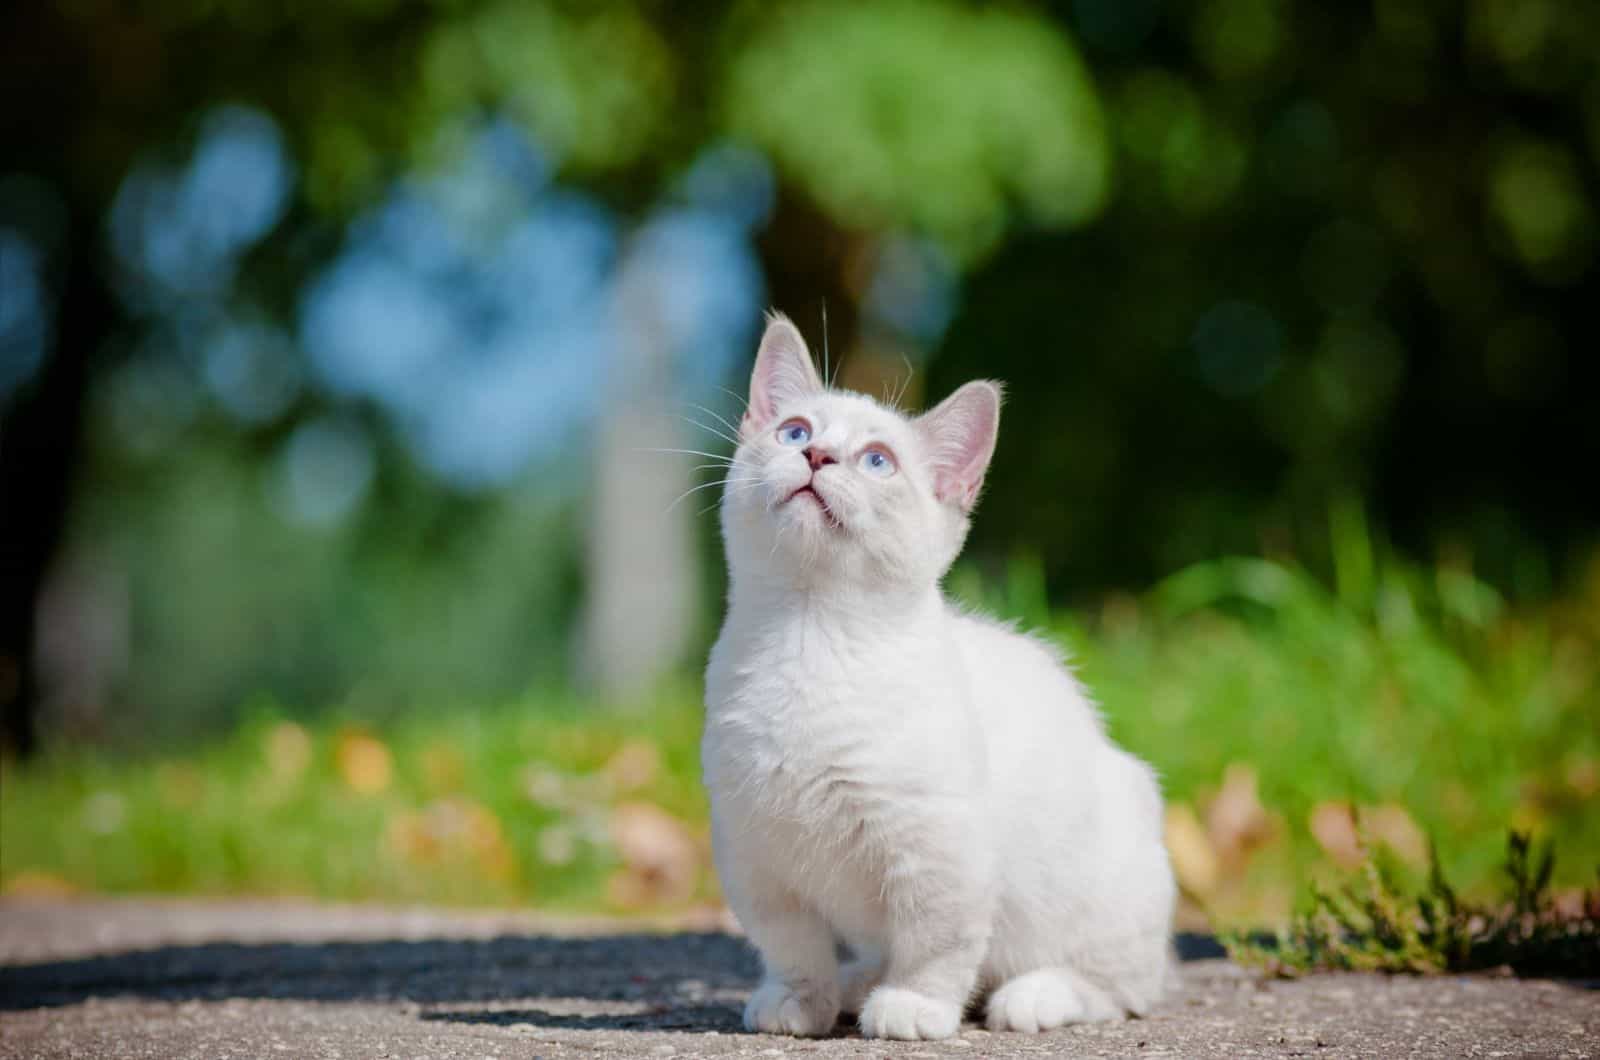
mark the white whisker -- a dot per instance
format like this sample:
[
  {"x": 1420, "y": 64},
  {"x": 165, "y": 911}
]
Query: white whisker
[
  {"x": 710, "y": 430},
  {"x": 911, "y": 373},
  {"x": 743, "y": 402},
  {"x": 689, "y": 452},
  {"x": 826, "y": 381},
  {"x": 716, "y": 416},
  {"x": 685, "y": 493}
]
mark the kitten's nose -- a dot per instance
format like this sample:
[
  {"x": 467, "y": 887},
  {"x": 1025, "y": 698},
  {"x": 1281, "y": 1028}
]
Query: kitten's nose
[{"x": 818, "y": 457}]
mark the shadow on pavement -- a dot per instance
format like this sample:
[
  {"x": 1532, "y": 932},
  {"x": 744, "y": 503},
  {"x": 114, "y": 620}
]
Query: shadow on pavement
[
  {"x": 663, "y": 979},
  {"x": 641, "y": 967},
  {"x": 726, "y": 1018}
]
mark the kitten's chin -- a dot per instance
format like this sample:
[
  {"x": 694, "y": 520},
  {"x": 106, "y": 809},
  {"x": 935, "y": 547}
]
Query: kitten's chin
[{"x": 806, "y": 500}]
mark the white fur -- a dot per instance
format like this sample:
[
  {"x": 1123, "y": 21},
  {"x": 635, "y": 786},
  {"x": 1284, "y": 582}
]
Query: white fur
[{"x": 927, "y": 786}]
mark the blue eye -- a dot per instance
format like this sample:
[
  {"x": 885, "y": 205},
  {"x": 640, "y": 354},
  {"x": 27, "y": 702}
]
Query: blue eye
[
  {"x": 877, "y": 463},
  {"x": 794, "y": 432}
]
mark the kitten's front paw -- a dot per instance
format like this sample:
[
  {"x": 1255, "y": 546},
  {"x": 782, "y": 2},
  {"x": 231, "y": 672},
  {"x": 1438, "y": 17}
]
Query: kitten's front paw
[
  {"x": 892, "y": 1012},
  {"x": 1042, "y": 1000},
  {"x": 776, "y": 1009}
]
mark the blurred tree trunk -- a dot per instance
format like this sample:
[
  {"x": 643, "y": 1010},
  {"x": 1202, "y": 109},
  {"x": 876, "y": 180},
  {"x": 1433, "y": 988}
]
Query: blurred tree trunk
[
  {"x": 45, "y": 136},
  {"x": 643, "y": 572},
  {"x": 39, "y": 445}
]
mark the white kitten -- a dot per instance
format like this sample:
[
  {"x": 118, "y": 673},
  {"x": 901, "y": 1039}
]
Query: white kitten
[{"x": 927, "y": 786}]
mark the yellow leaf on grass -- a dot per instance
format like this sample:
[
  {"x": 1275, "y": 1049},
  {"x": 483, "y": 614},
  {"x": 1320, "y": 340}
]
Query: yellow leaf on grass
[
  {"x": 453, "y": 831},
  {"x": 660, "y": 857},
  {"x": 1392, "y": 826},
  {"x": 1333, "y": 826},
  {"x": 363, "y": 762},
  {"x": 31, "y": 883},
  {"x": 1193, "y": 859},
  {"x": 1236, "y": 822}
]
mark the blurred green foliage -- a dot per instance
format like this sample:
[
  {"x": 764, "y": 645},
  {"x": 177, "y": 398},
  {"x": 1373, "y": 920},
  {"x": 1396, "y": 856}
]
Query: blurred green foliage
[
  {"x": 935, "y": 117},
  {"x": 1410, "y": 688}
]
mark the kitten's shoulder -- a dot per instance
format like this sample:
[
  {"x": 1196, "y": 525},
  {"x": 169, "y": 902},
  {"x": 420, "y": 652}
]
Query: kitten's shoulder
[
  {"x": 1014, "y": 670},
  {"x": 985, "y": 633}
]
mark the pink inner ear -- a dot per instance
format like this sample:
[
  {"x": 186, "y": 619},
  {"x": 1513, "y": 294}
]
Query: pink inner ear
[
  {"x": 783, "y": 371},
  {"x": 960, "y": 435}
]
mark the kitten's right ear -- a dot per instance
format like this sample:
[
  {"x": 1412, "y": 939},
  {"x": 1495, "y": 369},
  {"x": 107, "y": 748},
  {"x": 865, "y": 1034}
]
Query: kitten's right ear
[
  {"x": 783, "y": 372},
  {"x": 960, "y": 433}
]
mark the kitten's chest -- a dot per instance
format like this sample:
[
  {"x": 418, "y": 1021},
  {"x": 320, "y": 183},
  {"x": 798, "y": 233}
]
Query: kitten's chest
[{"x": 823, "y": 729}]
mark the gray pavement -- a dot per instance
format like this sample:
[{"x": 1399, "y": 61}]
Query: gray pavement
[{"x": 266, "y": 979}]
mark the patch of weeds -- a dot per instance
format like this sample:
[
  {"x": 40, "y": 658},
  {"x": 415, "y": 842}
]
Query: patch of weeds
[{"x": 1378, "y": 923}]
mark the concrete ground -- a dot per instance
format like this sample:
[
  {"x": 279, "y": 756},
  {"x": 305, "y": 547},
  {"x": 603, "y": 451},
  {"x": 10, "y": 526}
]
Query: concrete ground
[{"x": 232, "y": 979}]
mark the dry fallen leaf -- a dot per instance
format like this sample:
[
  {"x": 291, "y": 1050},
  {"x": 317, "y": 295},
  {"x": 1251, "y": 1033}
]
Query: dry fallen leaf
[
  {"x": 1193, "y": 859},
  {"x": 363, "y": 762},
  {"x": 452, "y": 830},
  {"x": 1236, "y": 822},
  {"x": 407, "y": 835},
  {"x": 660, "y": 857},
  {"x": 1391, "y": 825},
  {"x": 1333, "y": 825},
  {"x": 31, "y": 883}
]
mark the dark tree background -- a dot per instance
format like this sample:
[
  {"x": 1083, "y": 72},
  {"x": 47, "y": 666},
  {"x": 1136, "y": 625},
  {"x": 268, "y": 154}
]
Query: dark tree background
[{"x": 1241, "y": 262}]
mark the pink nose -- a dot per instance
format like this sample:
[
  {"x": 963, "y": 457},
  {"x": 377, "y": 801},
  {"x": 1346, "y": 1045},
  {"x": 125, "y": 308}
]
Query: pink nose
[{"x": 818, "y": 458}]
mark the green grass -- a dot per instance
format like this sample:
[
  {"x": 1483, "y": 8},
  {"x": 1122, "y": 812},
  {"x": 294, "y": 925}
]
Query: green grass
[
  {"x": 1404, "y": 688},
  {"x": 1413, "y": 689},
  {"x": 466, "y": 815},
  {"x": 1382, "y": 922}
]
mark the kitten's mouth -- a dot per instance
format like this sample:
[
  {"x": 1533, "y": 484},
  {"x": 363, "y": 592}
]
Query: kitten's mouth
[{"x": 808, "y": 490}]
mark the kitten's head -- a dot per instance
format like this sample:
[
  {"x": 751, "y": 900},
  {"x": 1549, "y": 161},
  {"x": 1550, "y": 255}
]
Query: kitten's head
[{"x": 829, "y": 486}]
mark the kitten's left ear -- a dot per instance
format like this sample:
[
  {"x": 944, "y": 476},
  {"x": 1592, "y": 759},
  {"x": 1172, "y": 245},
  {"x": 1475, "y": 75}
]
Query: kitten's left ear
[
  {"x": 959, "y": 434},
  {"x": 782, "y": 373}
]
